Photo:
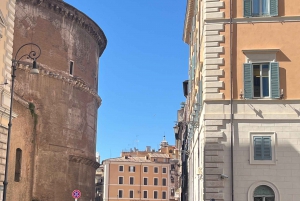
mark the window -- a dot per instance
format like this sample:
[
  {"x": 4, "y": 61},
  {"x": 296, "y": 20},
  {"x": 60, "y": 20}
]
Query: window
[
  {"x": 71, "y": 67},
  {"x": 121, "y": 168},
  {"x": 120, "y": 180},
  {"x": 155, "y": 182},
  {"x": 261, "y": 80},
  {"x": 164, "y": 195},
  {"x": 131, "y": 194},
  {"x": 145, "y": 169},
  {"x": 131, "y": 169},
  {"x": 172, "y": 192},
  {"x": 145, "y": 181},
  {"x": 131, "y": 180},
  {"x": 262, "y": 148},
  {"x": 256, "y": 8},
  {"x": 155, "y": 195},
  {"x": 120, "y": 194},
  {"x": 145, "y": 194},
  {"x": 263, "y": 193},
  {"x": 155, "y": 169},
  {"x": 164, "y": 181},
  {"x": 18, "y": 164},
  {"x": 164, "y": 170}
]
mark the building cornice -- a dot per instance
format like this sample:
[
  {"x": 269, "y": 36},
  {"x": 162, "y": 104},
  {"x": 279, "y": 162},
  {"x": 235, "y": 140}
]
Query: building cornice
[
  {"x": 188, "y": 20},
  {"x": 66, "y": 10},
  {"x": 74, "y": 81}
]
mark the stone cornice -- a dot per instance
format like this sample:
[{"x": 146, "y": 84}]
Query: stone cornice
[
  {"x": 71, "y": 13},
  {"x": 188, "y": 20},
  {"x": 83, "y": 160},
  {"x": 74, "y": 81}
]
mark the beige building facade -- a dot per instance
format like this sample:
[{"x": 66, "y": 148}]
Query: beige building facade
[
  {"x": 7, "y": 16},
  {"x": 242, "y": 108}
]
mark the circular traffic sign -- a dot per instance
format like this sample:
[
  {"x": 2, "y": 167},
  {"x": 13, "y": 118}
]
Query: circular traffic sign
[{"x": 76, "y": 194}]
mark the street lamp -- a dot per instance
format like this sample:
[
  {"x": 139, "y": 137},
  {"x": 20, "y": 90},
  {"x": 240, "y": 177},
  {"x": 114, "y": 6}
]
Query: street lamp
[{"x": 33, "y": 55}]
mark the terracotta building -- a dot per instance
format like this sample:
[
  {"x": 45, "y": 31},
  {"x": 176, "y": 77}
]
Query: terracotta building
[
  {"x": 55, "y": 129},
  {"x": 7, "y": 15},
  {"x": 240, "y": 131},
  {"x": 150, "y": 177}
]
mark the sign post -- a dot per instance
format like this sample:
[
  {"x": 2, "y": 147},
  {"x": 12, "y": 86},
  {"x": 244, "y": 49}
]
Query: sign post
[{"x": 76, "y": 194}]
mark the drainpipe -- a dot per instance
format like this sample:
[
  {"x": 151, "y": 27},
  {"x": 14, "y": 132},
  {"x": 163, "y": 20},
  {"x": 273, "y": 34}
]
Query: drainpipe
[{"x": 231, "y": 102}]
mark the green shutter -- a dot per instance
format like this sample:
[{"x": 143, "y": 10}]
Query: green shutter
[
  {"x": 247, "y": 8},
  {"x": 267, "y": 148},
  {"x": 275, "y": 91},
  {"x": 273, "y": 7},
  {"x": 258, "y": 148},
  {"x": 248, "y": 81}
]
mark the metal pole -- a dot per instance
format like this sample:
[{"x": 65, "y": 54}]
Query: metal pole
[{"x": 9, "y": 129}]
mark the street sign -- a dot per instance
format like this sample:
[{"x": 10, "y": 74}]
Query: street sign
[{"x": 76, "y": 194}]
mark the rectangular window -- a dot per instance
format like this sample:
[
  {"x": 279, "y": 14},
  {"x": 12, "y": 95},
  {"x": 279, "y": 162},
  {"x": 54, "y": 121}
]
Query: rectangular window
[
  {"x": 120, "y": 180},
  {"x": 145, "y": 169},
  {"x": 261, "y": 80},
  {"x": 131, "y": 194},
  {"x": 131, "y": 180},
  {"x": 131, "y": 169},
  {"x": 121, "y": 168},
  {"x": 257, "y": 8},
  {"x": 155, "y": 182},
  {"x": 155, "y": 195},
  {"x": 145, "y": 193},
  {"x": 164, "y": 170},
  {"x": 164, "y": 195},
  {"x": 120, "y": 194},
  {"x": 18, "y": 164},
  {"x": 145, "y": 181},
  {"x": 155, "y": 169},
  {"x": 262, "y": 148},
  {"x": 71, "y": 70},
  {"x": 164, "y": 181}
]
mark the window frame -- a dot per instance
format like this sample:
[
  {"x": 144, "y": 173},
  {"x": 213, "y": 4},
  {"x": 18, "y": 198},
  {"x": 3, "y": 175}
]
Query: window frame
[
  {"x": 145, "y": 168},
  {"x": 260, "y": 9},
  {"x": 164, "y": 170},
  {"x": 144, "y": 193},
  {"x": 260, "y": 183},
  {"x": 130, "y": 180},
  {"x": 273, "y": 147},
  {"x": 130, "y": 193},
  {"x": 146, "y": 181},
  {"x": 120, "y": 190},
  {"x": 71, "y": 67},
  {"x": 155, "y": 168},
  {"x": 119, "y": 180},
  {"x": 162, "y": 183},
  {"x": 154, "y": 194},
  {"x": 261, "y": 80},
  {"x": 162, "y": 195},
  {"x": 155, "y": 178},
  {"x": 131, "y": 167},
  {"x": 122, "y": 168},
  {"x": 272, "y": 7}
]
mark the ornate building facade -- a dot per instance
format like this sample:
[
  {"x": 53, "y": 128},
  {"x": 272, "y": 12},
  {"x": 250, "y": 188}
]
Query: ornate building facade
[
  {"x": 240, "y": 130},
  {"x": 54, "y": 135}
]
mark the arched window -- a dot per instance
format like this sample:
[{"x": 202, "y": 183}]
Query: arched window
[
  {"x": 18, "y": 164},
  {"x": 263, "y": 193}
]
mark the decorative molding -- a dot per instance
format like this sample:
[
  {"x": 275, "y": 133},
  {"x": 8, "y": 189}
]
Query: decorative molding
[
  {"x": 83, "y": 160},
  {"x": 77, "y": 82},
  {"x": 188, "y": 20},
  {"x": 69, "y": 12}
]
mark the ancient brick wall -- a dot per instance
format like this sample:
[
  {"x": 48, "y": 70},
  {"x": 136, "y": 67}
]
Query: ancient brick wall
[{"x": 63, "y": 156}]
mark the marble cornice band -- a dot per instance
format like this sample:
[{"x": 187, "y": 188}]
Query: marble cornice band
[
  {"x": 83, "y": 160},
  {"x": 74, "y": 81},
  {"x": 75, "y": 15}
]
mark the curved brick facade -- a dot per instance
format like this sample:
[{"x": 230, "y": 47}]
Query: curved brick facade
[{"x": 57, "y": 112}]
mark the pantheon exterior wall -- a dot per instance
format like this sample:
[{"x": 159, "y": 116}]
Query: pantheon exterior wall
[{"x": 56, "y": 122}]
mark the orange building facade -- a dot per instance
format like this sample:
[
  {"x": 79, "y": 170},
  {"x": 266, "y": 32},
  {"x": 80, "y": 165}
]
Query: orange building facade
[{"x": 241, "y": 117}]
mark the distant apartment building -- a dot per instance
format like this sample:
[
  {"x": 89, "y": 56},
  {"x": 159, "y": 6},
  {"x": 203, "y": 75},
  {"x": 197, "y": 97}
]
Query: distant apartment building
[
  {"x": 149, "y": 177},
  {"x": 99, "y": 180},
  {"x": 240, "y": 133}
]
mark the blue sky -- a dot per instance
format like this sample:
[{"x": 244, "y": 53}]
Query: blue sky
[{"x": 141, "y": 71}]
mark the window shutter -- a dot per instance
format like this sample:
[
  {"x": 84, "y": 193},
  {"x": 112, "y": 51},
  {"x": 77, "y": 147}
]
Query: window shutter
[
  {"x": 248, "y": 81},
  {"x": 273, "y": 7},
  {"x": 258, "y": 148},
  {"x": 275, "y": 91},
  {"x": 267, "y": 148},
  {"x": 247, "y": 8},
  {"x": 133, "y": 168}
]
